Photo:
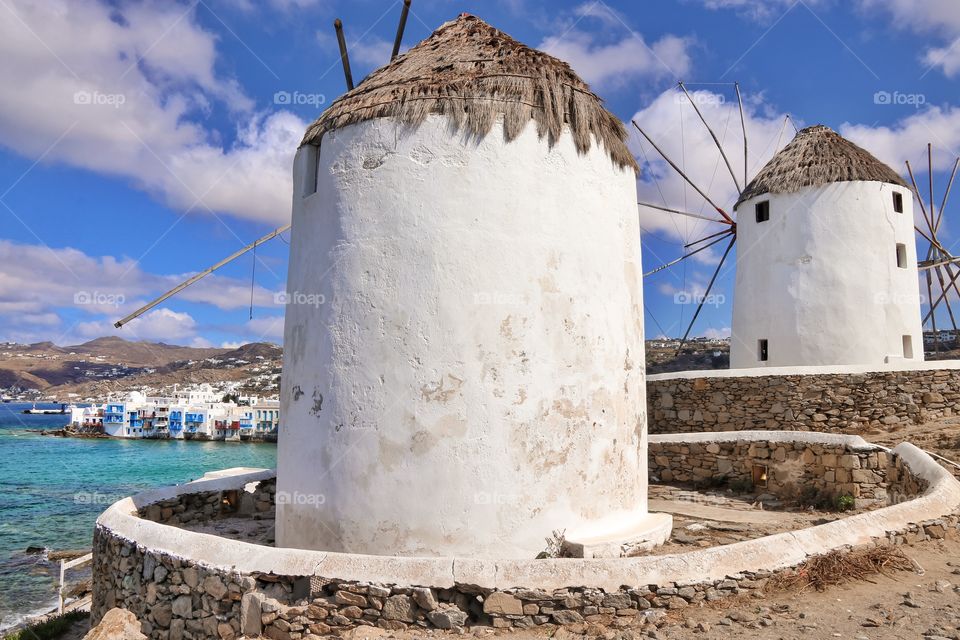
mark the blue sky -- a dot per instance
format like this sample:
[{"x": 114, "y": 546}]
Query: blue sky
[{"x": 142, "y": 141}]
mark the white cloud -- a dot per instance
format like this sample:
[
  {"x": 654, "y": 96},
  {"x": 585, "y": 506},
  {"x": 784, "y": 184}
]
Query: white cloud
[
  {"x": 159, "y": 325},
  {"x": 759, "y": 10},
  {"x": 121, "y": 91},
  {"x": 618, "y": 63},
  {"x": 673, "y": 124},
  {"x": 37, "y": 283},
  {"x": 938, "y": 17},
  {"x": 907, "y": 139},
  {"x": 721, "y": 332}
]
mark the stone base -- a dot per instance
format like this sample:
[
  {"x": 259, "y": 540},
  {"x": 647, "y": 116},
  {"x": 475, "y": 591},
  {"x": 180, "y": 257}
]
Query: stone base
[{"x": 620, "y": 537}]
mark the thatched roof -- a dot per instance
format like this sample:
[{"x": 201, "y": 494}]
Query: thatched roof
[
  {"x": 817, "y": 156},
  {"x": 474, "y": 73}
]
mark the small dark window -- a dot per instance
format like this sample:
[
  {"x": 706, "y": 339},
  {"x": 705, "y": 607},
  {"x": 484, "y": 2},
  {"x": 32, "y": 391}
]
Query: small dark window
[
  {"x": 763, "y": 353},
  {"x": 311, "y": 161},
  {"x": 898, "y": 202},
  {"x": 759, "y": 475},
  {"x": 902, "y": 256},
  {"x": 763, "y": 211}
]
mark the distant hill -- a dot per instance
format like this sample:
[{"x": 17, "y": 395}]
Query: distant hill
[{"x": 113, "y": 365}]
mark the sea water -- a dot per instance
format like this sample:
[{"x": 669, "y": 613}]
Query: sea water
[{"x": 52, "y": 490}]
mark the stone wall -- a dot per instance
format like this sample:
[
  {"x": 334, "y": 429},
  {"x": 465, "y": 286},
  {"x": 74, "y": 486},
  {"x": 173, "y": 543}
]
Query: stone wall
[
  {"x": 794, "y": 471},
  {"x": 186, "y": 585},
  {"x": 193, "y": 508},
  {"x": 830, "y": 402}
]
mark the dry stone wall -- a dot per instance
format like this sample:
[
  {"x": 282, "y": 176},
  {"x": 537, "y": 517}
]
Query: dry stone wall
[
  {"x": 788, "y": 470},
  {"x": 829, "y": 402},
  {"x": 178, "y": 597}
]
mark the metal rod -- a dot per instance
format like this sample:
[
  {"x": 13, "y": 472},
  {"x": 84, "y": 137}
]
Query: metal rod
[
  {"x": 684, "y": 257},
  {"x": 682, "y": 213},
  {"x": 683, "y": 175},
  {"x": 743, "y": 125},
  {"x": 183, "y": 285},
  {"x": 400, "y": 28},
  {"x": 344, "y": 56},
  {"x": 714, "y": 235},
  {"x": 716, "y": 141},
  {"x": 946, "y": 194},
  {"x": 705, "y": 294}
]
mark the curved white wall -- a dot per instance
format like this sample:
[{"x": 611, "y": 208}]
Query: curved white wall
[
  {"x": 479, "y": 352},
  {"x": 820, "y": 279}
]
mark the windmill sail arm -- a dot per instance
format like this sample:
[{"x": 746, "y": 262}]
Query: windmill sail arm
[{"x": 183, "y": 285}]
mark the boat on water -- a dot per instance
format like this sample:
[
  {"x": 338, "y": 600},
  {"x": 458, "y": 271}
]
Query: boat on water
[{"x": 47, "y": 412}]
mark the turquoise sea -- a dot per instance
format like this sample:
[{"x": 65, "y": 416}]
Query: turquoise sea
[{"x": 53, "y": 489}]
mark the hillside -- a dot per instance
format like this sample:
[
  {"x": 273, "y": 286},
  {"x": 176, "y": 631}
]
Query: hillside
[{"x": 114, "y": 365}]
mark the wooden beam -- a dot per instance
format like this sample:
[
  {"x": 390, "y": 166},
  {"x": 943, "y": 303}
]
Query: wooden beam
[
  {"x": 743, "y": 126},
  {"x": 705, "y": 294},
  {"x": 716, "y": 141},
  {"x": 683, "y": 175},
  {"x": 400, "y": 28},
  {"x": 344, "y": 56},
  {"x": 684, "y": 257},
  {"x": 946, "y": 194},
  {"x": 183, "y": 285},
  {"x": 682, "y": 213}
]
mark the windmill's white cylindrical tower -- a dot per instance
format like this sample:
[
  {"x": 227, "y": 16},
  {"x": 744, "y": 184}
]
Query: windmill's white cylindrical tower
[
  {"x": 826, "y": 260},
  {"x": 463, "y": 353}
]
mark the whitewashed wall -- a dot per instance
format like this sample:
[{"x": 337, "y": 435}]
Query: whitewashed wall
[
  {"x": 820, "y": 280},
  {"x": 479, "y": 352}
]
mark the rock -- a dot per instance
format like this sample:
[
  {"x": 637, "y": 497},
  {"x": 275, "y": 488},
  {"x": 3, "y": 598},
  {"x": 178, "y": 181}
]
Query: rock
[
  {"x": 182, "y": 607},
  {"x": 447, "y": 618},
  {"x": 160, "y": 573},
  {"x": 350, "y": 599},
  {"x": 941, "y": 586},
  {"x": 566, "y": 616},
  {"x": 162, "y": 614},
  {"x": 500, "y": 603},
  {"x": 425, "y": 598},
  {"x": 190, "y": 577},
  {"x": 176, "y": 629},
  {"x": 399, "y": 608},
  {"x": 118, "y": 624},
  {"x": 364, "y": 633},
  {"x": 250, "y": 622},
  {"x": 225, "y": 631},
  {"x": 215, "y": 587}
]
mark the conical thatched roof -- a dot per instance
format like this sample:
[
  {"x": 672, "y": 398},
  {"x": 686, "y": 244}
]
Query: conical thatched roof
[
  {"x": 817, "y": 156},
  {"x": 474, "y": 73}
]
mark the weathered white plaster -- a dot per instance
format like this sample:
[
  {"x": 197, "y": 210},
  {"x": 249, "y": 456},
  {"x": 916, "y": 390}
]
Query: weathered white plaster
[
  {"x": 836, "y": 439},
  {"x": 474, "y": 376},
  {"x": 820, "y": 279}
]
